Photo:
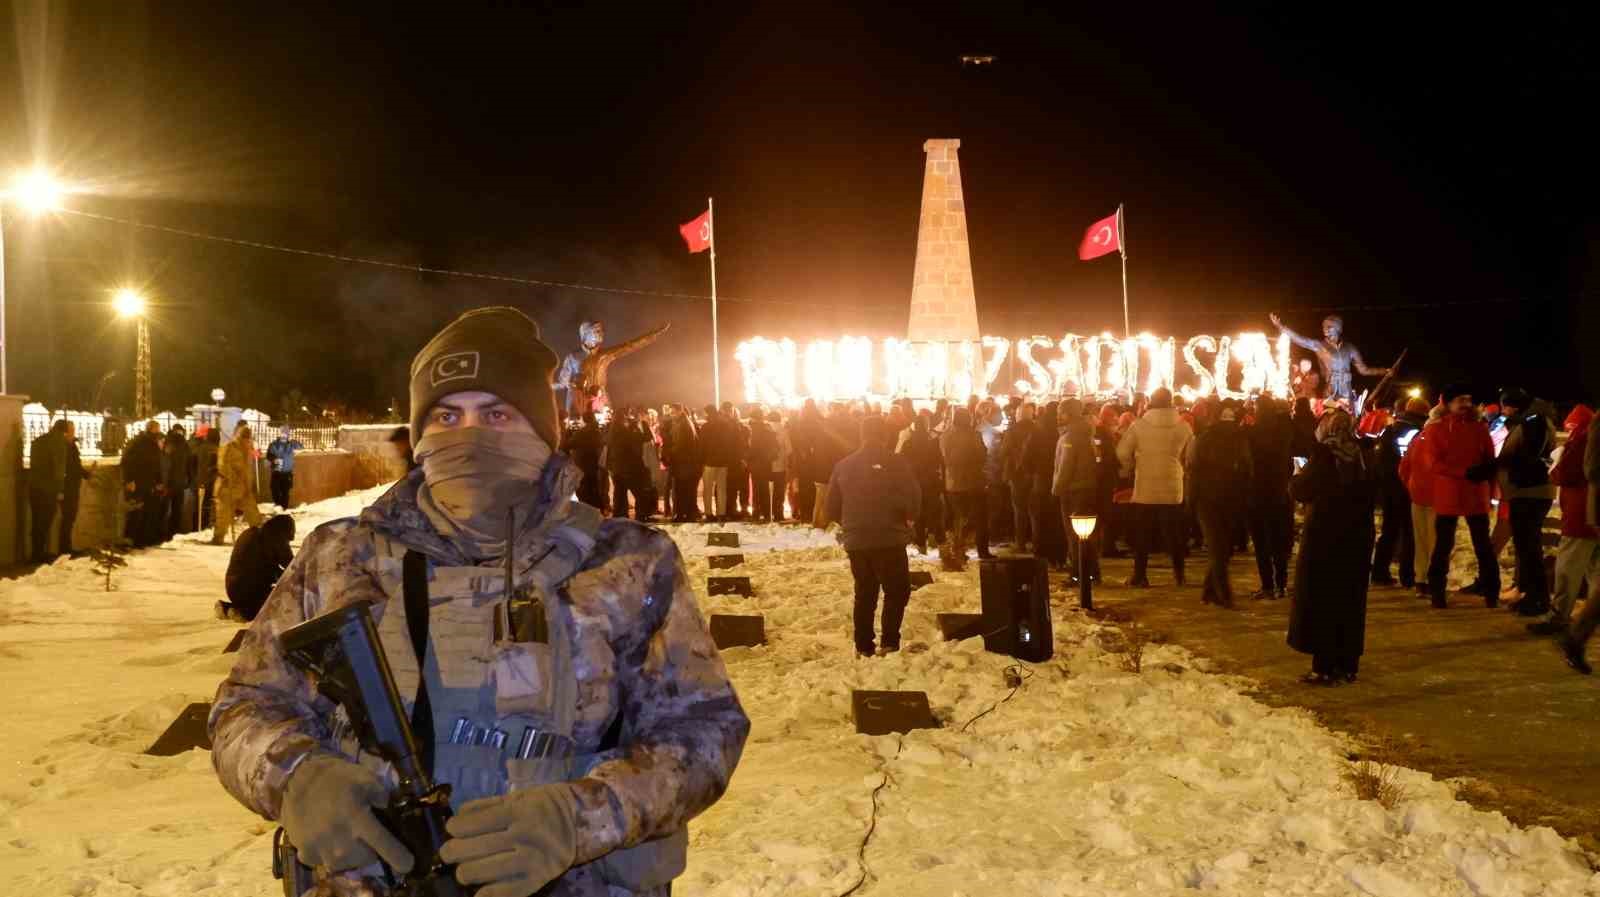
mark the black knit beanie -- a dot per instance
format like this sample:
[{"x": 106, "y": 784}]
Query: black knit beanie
[
  {"x": 1516, "y": 397},
  {"x": 496, "y": 350}
]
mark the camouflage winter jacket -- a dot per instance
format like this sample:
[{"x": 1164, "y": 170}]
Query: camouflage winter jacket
[
  {"x": 234, "y": 460},
  {"x": 639, "y": 649}
]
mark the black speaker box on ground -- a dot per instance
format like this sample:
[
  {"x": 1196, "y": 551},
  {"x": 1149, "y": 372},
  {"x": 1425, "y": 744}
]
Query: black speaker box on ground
[
  {"x": 882, "y": 712},
  {"x": 186, "y": 732},
  {"x": 724, "y": 561},
  {"x": 729, "y": 585},
  {"x": 722, "y": 540},
  {"x": 738, "y": 631},
  {"x": 920, "y": 578},
  {"x": 1016, "y": 607},
  {"x": 955, "y": 627}
]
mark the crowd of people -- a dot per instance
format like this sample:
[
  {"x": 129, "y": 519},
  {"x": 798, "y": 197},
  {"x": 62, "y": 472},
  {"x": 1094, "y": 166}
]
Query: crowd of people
[
  {"x": 1161, "y": 475},
  {"x": 173, "y": 482}
]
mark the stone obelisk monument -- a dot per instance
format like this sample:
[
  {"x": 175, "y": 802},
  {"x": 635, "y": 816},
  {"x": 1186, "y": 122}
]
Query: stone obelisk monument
[{"x": 943, "y": 306}]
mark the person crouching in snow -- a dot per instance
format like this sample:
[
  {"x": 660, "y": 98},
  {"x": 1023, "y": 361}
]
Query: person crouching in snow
[
  {"x": 260, "y": 555},
  {"x": 623, "y": 674}
]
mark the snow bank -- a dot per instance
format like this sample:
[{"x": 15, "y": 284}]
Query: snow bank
[{"x": 1090, "y": 781}]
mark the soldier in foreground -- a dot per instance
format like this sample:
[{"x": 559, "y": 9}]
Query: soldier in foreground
[{"x": 595, "y": 646}]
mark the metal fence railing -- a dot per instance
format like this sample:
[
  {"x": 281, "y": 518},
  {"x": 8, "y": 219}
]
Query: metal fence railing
[
  {"x": 310, "y": 438},
  {"x": 100, "y": 436}
]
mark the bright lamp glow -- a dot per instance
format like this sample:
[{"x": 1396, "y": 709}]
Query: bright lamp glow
[
  {"x": 36, "y": 191},
  {"x": 128, "y": 303},
  {"x": 1415, "y": 392},
  {"x": 1083, "y": 525}
]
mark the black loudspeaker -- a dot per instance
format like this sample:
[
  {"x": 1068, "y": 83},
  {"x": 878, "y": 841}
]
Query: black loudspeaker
[
  {"x": 920, "y": 578},
  {"x": 729, "y": 585},
  {"x": 187, "y": 732},
  {"x": 722, "y": 540},
  {"x": 736, "y": 631},
  {"x": 882, "y": 712},
  {"x": 955, "y": 627},
  {"x": 724, "y": 561},
  {"x": 1016, "y": 607}
]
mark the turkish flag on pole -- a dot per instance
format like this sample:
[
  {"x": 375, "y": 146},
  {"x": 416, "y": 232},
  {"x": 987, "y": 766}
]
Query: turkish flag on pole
[
  {"x": 1102, "y": 237},
  {"x": 697, "y": 233}
]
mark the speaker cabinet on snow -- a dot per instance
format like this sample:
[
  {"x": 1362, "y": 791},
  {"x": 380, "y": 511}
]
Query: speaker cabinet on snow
[{"x": 1016, "y": 607}]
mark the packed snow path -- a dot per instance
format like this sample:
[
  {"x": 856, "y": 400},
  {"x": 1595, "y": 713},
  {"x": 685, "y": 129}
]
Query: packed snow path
[{"x": 1091, "y": 781}]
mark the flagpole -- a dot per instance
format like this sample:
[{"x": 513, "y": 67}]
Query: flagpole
[
  {"x": 716, "y": 369},
  {"x": 1122, "y": 250}
]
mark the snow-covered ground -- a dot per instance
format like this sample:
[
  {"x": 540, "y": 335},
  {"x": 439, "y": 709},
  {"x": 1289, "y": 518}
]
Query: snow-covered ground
[{"x": 1090, "y": 781}]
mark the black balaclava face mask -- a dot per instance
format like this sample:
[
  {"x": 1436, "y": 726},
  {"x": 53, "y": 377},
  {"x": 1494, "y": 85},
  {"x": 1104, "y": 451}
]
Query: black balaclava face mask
[{"x": 473, "y": 477}]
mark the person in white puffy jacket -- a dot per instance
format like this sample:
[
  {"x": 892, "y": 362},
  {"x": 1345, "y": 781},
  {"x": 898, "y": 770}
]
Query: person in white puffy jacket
[{"x": 1153, "y": 451}]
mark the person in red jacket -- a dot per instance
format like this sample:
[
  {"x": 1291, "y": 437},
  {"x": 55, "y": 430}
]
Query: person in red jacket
[
  {"x": 1462, "y": 456},
  {"x": 1578, "y": 556}
]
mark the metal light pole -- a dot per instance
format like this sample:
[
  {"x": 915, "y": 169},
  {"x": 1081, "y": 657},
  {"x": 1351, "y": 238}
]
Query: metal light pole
[
  {"x": 1083, "y": 527},
  {"x": 129, "y": 304}
]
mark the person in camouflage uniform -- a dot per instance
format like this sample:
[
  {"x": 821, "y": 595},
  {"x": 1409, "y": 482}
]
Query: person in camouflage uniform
[
  {"x": 627, "y": 676},
  {"x": 236, "y": 484}
]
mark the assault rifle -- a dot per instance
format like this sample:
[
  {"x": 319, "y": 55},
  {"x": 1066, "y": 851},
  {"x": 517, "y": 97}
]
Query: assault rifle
[{"x": 342, "y": 652}]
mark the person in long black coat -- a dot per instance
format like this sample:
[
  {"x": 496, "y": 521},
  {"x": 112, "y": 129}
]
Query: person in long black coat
[
  {"x": 1039, "y": 459},
  {"x": 584, "y": 444},
  {"x": 1328, "y": 618},
  {"x": 142, "y": 481},
  {"x": 1221, "y": 464},
  {"x": 1270, "y": 509}
]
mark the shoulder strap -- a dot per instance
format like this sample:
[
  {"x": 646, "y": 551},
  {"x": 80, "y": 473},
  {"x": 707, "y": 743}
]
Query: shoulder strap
[{"x": 414, "y": 583}]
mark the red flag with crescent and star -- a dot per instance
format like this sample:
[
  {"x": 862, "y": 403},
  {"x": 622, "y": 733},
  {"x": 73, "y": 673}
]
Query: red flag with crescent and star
[
  {"x": 1102, "y": 237},
  {"x": 697, "y": 233}
]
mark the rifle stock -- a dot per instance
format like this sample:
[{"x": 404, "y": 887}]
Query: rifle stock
[{"x": 342, "y": 652}]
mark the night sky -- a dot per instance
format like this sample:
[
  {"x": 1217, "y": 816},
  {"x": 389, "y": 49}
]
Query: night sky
[{"x": 1431, "y": 177}]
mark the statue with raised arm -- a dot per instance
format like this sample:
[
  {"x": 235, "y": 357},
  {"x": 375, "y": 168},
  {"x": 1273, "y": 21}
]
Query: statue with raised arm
[
  {"x": 1335, "y": 356},
  {"x": 583, "y": 373}
]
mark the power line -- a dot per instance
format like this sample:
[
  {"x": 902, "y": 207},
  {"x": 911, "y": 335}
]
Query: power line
[
  {"x": 662, "y": 294},
  {"x": 453, "y": 272}
]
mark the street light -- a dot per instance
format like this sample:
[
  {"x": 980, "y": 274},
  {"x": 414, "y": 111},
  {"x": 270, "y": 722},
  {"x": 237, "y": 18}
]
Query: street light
[
  {"x": 33, "y": 191},
  {"x": 1083, "y": 527},
  {"x": 129, "y": 303},
  {"x": 36, "y": 191}
]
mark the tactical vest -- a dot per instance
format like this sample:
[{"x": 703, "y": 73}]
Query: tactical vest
[{"x": 477, "y": 671}]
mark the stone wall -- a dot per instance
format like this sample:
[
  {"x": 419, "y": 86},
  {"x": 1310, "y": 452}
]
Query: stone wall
[
  {"x": 363, "y": 460},
  {"x": 943, "y": 304},
  {"x": 101, "y": 509},
  {"x": 320, "y": 475},
  {"x": 13, "y": 487},
  {"x": 374, "y": 458}
]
